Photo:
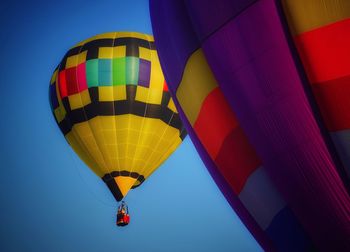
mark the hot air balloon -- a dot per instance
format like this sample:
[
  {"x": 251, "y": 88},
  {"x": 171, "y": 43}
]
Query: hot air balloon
[
  {"x": 110, "y": 100},
  {"x": 245, "y": 101}
]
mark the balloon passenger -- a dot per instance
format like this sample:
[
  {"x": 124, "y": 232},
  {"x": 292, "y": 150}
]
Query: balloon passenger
[{"x": 123, "y": 217}]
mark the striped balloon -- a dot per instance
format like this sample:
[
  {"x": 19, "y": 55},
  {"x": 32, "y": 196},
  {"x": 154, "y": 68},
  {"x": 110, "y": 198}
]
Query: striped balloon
[
  {"x": 219, "y": 138},
  {"x": 111, "y": 102},
  {"x": 242, "y": 95}
]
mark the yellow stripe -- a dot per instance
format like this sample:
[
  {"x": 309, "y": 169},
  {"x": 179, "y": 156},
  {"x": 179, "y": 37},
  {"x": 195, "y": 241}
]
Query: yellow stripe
[
  {"x": 75, "y": 60},
  {"x": 197, "y": 82},
  {"x": 79, "y": 100},
  {"x": 53, "y": 77},
  {"x": 149, "y": 95},
  {"x": 171, "y": 106},
  {"x": 112, "y": 93},
  {"x": 154, "y": 93},
  {"x": 306, "y": 15},
  {"x": 111, "y": 52},
  {"x": 59, "y": 112},
  {"x": 145, "y": 53},
  {"x": 157, "y": 78}
]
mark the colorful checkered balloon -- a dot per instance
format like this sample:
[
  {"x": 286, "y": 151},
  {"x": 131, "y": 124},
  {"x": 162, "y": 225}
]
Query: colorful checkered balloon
[{"x": 110, "y": 100}]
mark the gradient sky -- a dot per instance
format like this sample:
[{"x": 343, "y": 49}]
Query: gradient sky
[{"x": 49, "y": 200}]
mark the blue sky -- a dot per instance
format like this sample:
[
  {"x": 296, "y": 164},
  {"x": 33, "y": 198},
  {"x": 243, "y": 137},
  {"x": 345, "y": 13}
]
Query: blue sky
[{"x": 50, "y": 201}]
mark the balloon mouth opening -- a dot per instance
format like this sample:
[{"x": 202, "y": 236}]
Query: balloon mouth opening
[{"x": 120, "y": 182}]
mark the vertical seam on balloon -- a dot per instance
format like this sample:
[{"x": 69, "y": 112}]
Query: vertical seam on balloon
[
  {"x": 223, "y": 24},
  {"x": 149, "y": 90},
  {"x": 115, "y": 117},
  {"x": 146, "y": 106},
  {"x": 155, "y": 146},
  {"x": 171, "y": 145},
  {"x": 129, "y": 116},
  {"x": 160, "y": 139}
]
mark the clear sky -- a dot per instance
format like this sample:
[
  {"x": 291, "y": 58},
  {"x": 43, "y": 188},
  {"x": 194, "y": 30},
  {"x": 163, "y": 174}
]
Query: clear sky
[{"x": 49, "y": 200}]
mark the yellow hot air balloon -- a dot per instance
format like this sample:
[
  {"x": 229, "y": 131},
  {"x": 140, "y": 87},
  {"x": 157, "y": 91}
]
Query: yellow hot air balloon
[{"x": 110, "y": 100}]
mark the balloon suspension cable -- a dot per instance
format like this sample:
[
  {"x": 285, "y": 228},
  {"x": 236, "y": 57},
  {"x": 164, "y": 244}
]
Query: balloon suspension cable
[{"x": 86, "y": 183}]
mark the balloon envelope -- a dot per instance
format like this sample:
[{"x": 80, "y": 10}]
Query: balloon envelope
[
  {"x": 247, "y": 51},
  {"x": 111, "y": 102}
]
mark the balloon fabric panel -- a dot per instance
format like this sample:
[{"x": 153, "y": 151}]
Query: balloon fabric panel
[
  {"x": 251, "y": 60},
  {"x": 237, "y": 171},
  {"x": 321, "y": 35},
  {"x": 304, "y": 16},
  {"x": 111, "y": 102},
  {"x": 224, "y": 10}
]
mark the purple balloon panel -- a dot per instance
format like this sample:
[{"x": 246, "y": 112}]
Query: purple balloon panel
[{"x": 252, "y": 62}]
